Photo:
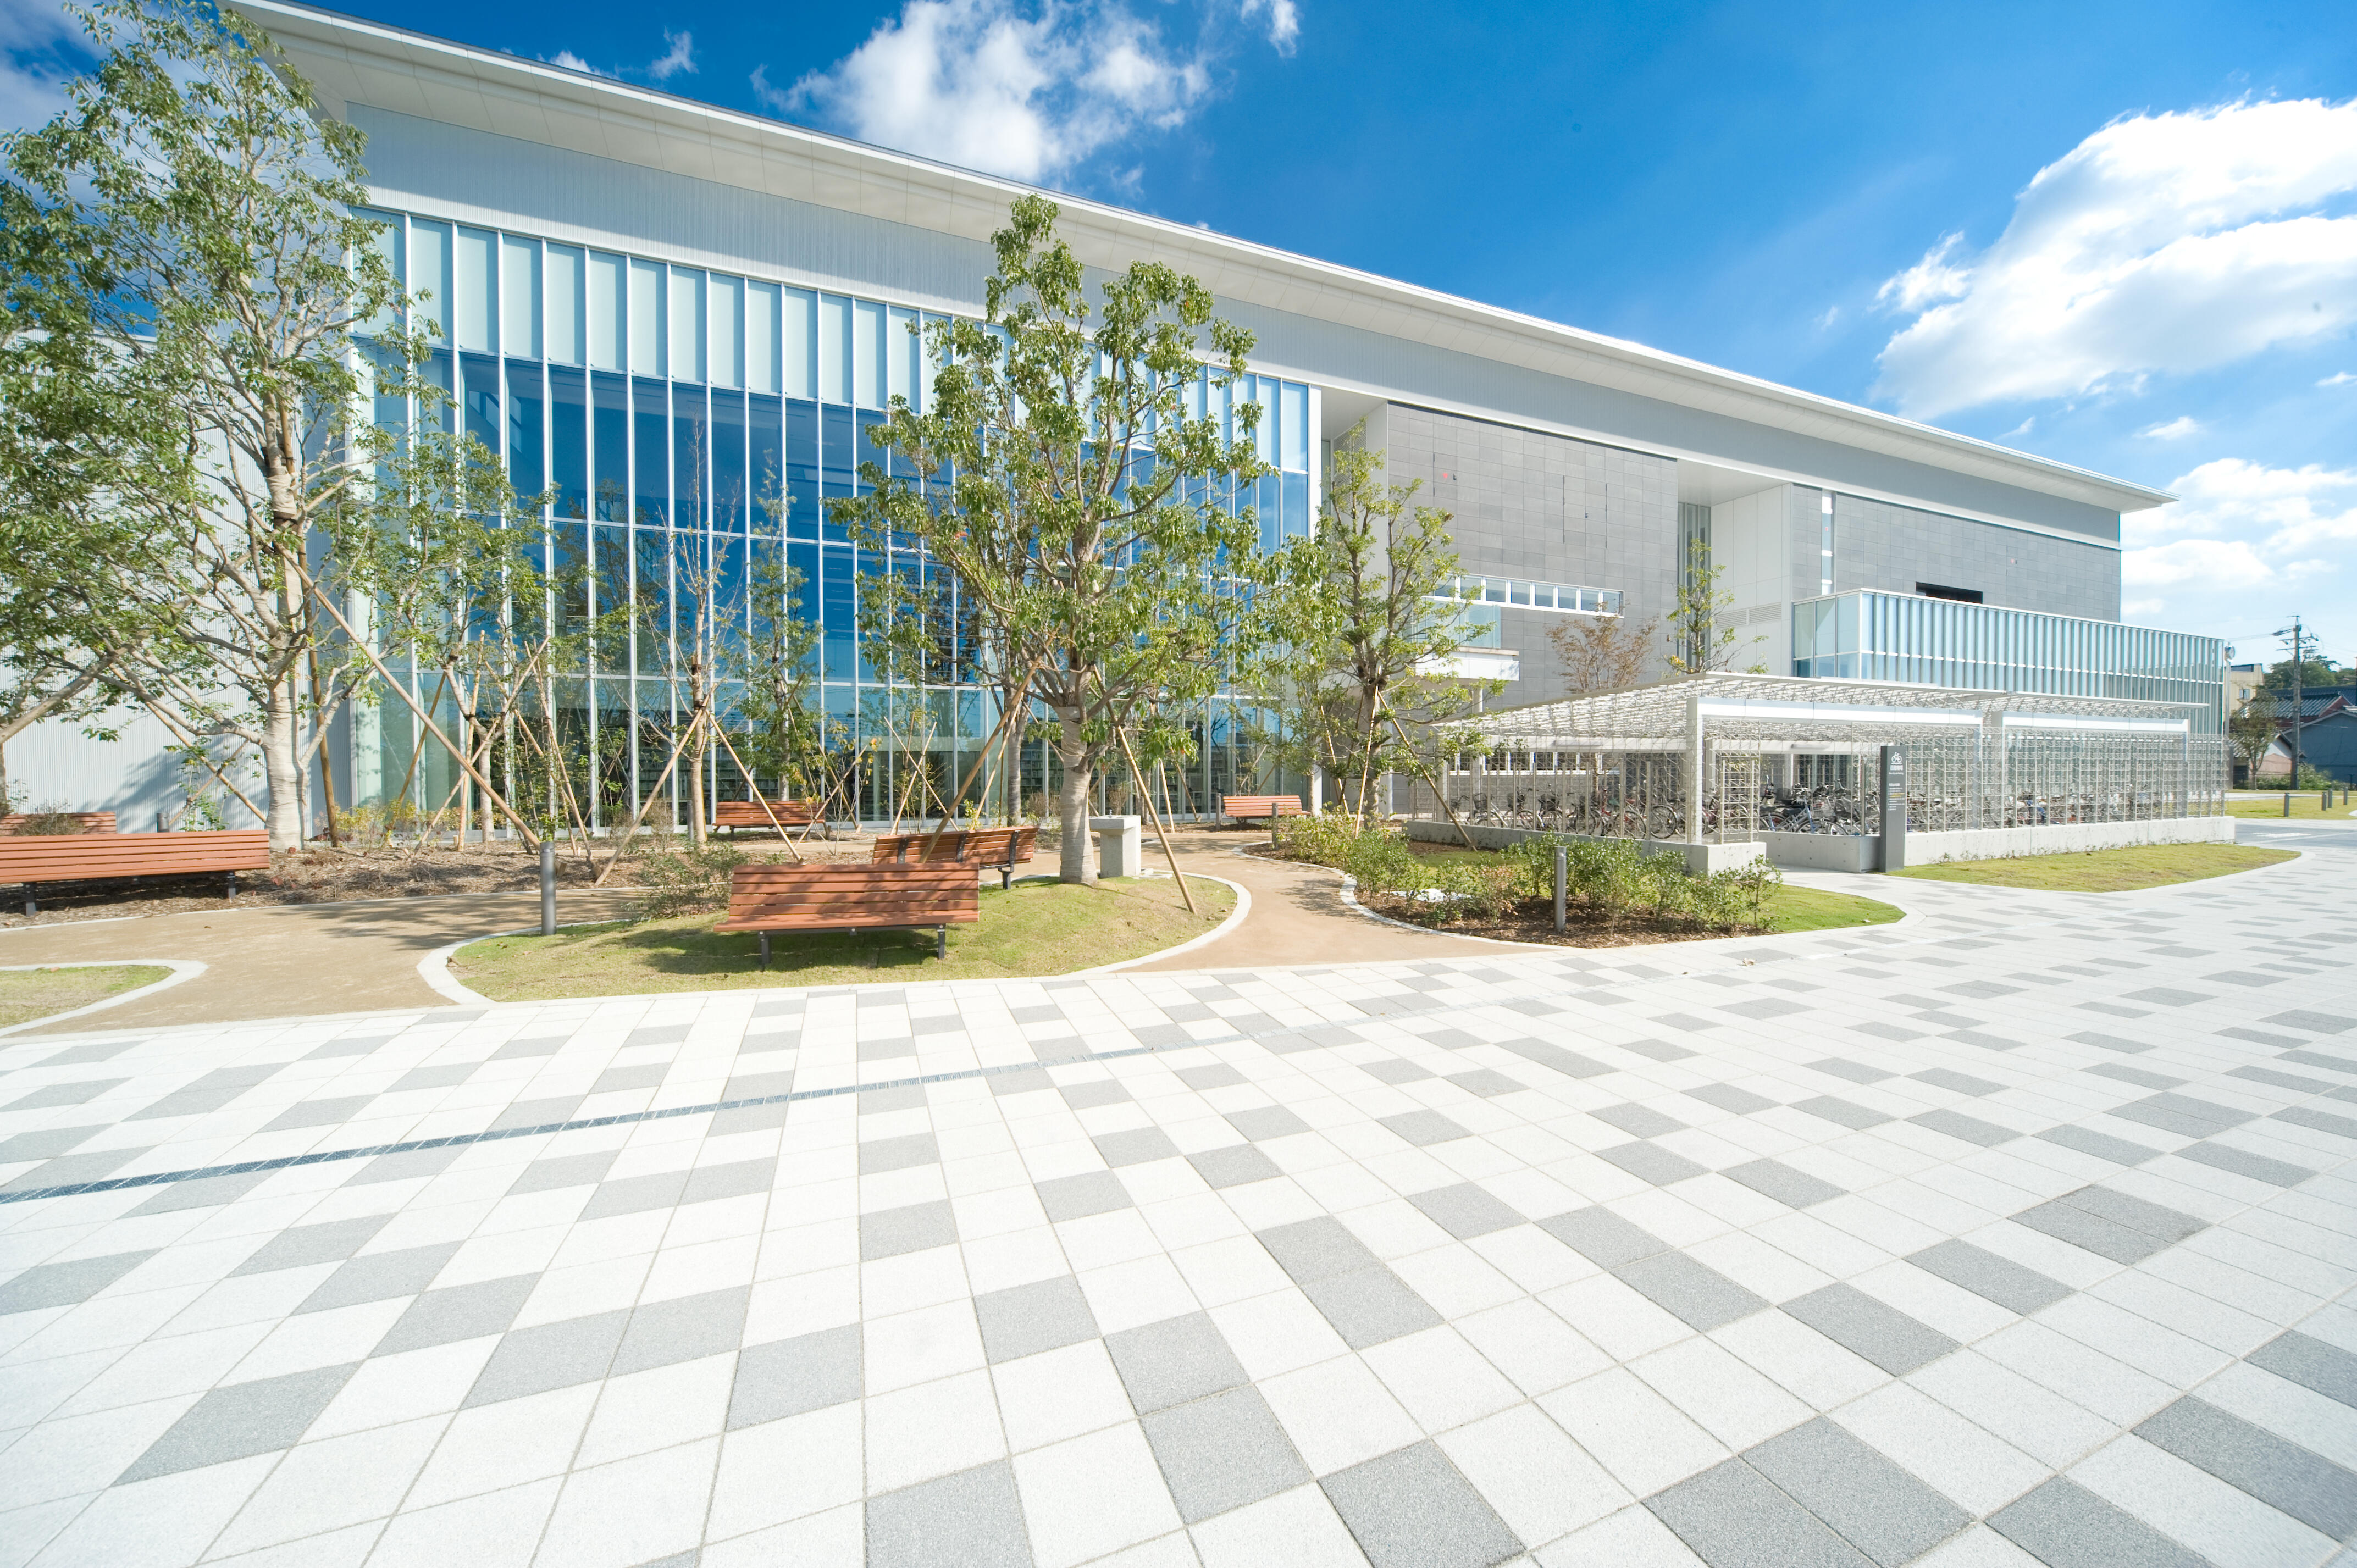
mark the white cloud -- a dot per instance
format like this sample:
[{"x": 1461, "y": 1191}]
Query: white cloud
[
  {"x": 2244, "y": 525},
  {"x": 2166, "y": 242},
  {"x": 2341, "y": 380},
  {"x": 2176, "y": 429},
  {"x": 1830, "y": 315},
  {"x": 39, "y": 51},
  {"x": 679, "y": 55},
  {"x": 572, "y": 61},
  {"x": 1024, "y": 88},
  {"x": 1283, "y": 21}
]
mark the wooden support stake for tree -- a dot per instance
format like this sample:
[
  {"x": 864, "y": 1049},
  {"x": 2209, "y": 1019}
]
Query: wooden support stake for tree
[
  {"x": 523, "y": 829},
  {"x": 1169, "y": 853},
  {"x": 622, "y": 844},
  {"x": 1438, "y": 792},
  {"x": 722, "y": 731},
  {"x": 204, "y": 756}
]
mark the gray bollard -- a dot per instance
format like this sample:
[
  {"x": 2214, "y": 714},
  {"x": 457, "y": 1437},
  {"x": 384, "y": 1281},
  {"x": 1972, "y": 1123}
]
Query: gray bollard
[
  {"x": 547, "y": 888},
  {"x": 2287, "y": 802},
  {"x": 1559, "y": 880}
]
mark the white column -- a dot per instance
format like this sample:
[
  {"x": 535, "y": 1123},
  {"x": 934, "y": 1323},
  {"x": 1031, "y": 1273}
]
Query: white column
[{"x": 1693, "y": 764}]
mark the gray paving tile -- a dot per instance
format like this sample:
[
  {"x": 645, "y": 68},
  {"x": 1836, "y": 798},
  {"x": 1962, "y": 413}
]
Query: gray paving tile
[
  {"x": 240, "y": 1420},
  {"x": 1423, "y": 1128},
  {"x": 1136, "y": 1147},
  {"x": 656, "y": 1034},
  {"x": 1086, "y": 1096},
  {"x": 1882, "y": 1031},
  {"x": 2313, "y": 1023},
  {"x": 43, "y": 1142},
  {"x": 1211, "y": 1076},
  {"x": 1023, "y": 1320},
  {"x": 57, "y": 1094},
  {"x": 902, "y": 1096},
  {"x": 880, "y": 1154},
  {"x": 889, "y": 1232},
  {"x": 1857, "y": 1072},
  {"x": 1392, "y": 1070},
  {"x": 685, "y": 1328},
  {"x": 1267, "y": 1121},
  {"x": 2318, "y": 1121},
  {"x": 306, "y": 1244},
  {"x": 2285, "y": 1476},
  {"x": 206, "y": 1192},
  {"x": 1024, "y": 1080},
  {"x": 747, "y": 1119},
  {"x": 1733, "y": 1518},
  {"x": 210, "y": 1092},
  {"x": 1370, "y": 1307},
  {"x": 1883, "y": 1335},
  {"x": 409, "y": 1164},
  {"x": 2318, "y": 1058},
  {"x": 793, "y": 1377},
  {"x": 547, "y": 1356},
  {"x": 1770, "y": 1178},
  {"x": 1843, "y": 1112},
  {"x": 2137, "y": 1075},
  {"x": 67, "y": 1284},
  {"x": 1698, "y": 1294},
  {"x": 1764, "y": 1008},
  {"x": 1465, "y": 1210},
  {"x": 317, "y": 1113},
  {"x": 1650, "y": 1162},
  {"x": 380, "y": 1277},
  {"x": 536, "y": 1113},
  {"x": 1961, "y": 1082},
  {"x": 1602, "y": 1237},
  {"x": 969, "y": 1520},
  {"x": 1878, "y": 1507},
  {"x": 1322, "y": 1248},
  {"x": 1637, "y": 1121},
  {"x": 758, "y": 1085},
  {"x": 537, "y": 1045},
  {"x": 2064, "y": 1525},
  {"x": 1222, "y": 1452},
  {"x": 2001, "y": 1280},
  {"x": 1412, "y": 1508},
  {"x": 563, "y": 1171},
  {"x": 1234, "y": 1167},
  {"x": 1971, "y": 1129},
  {"x": 737, "y": 1178},
  {"x": 2099, "y": 1234},
  {"x": 460, "y": 1312},
  {"x": 2113, "y": 1042},
  {"x": 1571, "y": 1064},
  {"x": 72, "y": 1170},
  {"x": 2311, "y": 1363},
  {"x": 1485, "y": 1083},
  {"x": 636, "y": 1194},
  {"x": 2103, "y": 1145},
  {"x": 1078, "y": 1197},
  {"x": 1659, "y": 1051},
  {"x": 2163, "y": 996},
  {"x": 1168, "y": 1363},
  {"x": 2242, "y": 1162},
  {"x": 2181, "y": 1114},
  {"x": 1726, "y": 1097},
  {"x": 447, "y": 1077}
]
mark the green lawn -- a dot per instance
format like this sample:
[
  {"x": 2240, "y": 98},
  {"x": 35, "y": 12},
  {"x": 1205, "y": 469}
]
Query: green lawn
[
  {"x": 2304, "y": 804},
  {"x": 1035, "y": 928},
  {"x": 2106, "y": 870},
  {"x": 30, "y": 994},
  {"x": 1806, "y": 909}
]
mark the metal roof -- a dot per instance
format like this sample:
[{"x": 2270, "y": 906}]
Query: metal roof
[{"x": 1778, "y": 709}]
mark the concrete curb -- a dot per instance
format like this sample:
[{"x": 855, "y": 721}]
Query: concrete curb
[{"x": 181, "y": 968}]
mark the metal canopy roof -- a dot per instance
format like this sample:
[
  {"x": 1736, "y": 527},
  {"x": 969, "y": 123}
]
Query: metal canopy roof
[{"x": 1780, "y": 709}]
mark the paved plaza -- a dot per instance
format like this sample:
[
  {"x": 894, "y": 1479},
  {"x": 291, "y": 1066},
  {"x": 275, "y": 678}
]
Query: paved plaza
[{"x": 2018, "y": 1232}]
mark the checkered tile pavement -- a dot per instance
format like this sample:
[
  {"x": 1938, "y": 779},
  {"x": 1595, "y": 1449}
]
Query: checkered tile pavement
[{"x": 2019, "y": 1232}]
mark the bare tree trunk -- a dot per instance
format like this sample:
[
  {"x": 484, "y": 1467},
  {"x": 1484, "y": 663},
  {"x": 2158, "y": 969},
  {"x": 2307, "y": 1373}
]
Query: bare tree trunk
[
  {"x": 1074, "y": 863},
  {"x": 280, "y": 767}
]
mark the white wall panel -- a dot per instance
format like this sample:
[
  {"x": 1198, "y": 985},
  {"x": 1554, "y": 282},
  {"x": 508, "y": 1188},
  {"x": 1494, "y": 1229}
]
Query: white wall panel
[
  {"x": 429, "y": 274},
  {"x": 723, "y": 358},
  {"x": 646, "y": 318},
  {"x": 761, "y": 336},
  {"x": 900, "y": 373},
  {"x": 568, "y": 299},
  {"x": 834, "y": 349},
  {"x": 686, "y": 335},
  {"x": 866, "y": 353},
  {"x": 609, "y": 310},
  {"x": 474, "y": 293},
  {"x": 520, "y": 292},
  {"x": 801, "y": 307}
]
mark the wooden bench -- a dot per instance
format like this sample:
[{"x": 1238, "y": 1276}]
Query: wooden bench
[
  {"x": 985, "y": 848},
  {"x": 735, "y": 814},
  {"x": 1250, "y": 808},
  {"x": 89, "y": 821},
  {"x": 34, "y": 859},
  {"x": 767, "y": 899}
]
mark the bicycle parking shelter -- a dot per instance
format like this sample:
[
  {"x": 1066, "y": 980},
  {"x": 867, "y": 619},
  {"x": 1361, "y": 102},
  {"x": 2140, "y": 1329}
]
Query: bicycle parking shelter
[{"x": 1770, "y": 756}]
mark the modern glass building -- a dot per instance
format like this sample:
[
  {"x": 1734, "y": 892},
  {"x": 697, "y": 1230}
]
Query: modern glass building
[{"x": 682, "y": 319}]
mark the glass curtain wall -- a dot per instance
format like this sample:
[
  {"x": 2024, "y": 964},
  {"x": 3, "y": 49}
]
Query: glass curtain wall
[
  {"x": 686, "y": 423},
  {"x": 1870, "y": 636}
]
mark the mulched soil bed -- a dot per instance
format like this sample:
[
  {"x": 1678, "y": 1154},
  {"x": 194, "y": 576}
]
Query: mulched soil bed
[{"x": 323, "y": 875}]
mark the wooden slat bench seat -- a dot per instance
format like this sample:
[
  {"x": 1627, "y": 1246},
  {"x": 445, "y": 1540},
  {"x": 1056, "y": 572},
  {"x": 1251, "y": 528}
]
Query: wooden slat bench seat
[
  {"x": 767, "y": 898},
  {"x": 985, "y": 848},
  {"x": 90, "y": 821},
  {"x": 36, "y": 859},
  {"x": 1252, "y": 808},
  {"x": 735, "y": 814}
]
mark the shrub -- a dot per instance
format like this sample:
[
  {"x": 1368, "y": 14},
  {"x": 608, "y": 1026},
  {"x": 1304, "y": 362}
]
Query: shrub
[
  {"x": 685, "y": 880},
  {"x": 49, "y": 821}
]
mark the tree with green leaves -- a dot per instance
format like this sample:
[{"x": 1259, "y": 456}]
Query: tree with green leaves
[
  {"x": 1376, "y": 618},
  {"x": 1070, "y": 478},
  {"x": 1702, "y": 640},
  {"x": 201, "y": 222}
]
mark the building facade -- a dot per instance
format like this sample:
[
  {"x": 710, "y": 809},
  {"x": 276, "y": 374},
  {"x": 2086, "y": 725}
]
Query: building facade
[{"x": 657, "y": 309}]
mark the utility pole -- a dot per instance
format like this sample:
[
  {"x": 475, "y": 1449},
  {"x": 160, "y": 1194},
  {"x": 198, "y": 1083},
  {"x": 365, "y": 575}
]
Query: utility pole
[{"x": 2299, "y": 652}]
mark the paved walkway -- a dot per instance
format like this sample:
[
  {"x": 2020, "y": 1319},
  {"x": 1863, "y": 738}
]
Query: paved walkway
[{"x": 2021, "y": 1232}]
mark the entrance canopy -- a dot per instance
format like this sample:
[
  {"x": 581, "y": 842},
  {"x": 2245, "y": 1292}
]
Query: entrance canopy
[{"x": 1778, "y": 710}]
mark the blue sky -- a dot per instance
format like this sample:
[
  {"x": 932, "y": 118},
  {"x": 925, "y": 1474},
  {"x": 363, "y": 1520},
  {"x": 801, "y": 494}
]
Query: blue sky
[{"x": 2124, "y": 236}]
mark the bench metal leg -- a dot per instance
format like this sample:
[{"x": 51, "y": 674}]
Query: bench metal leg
[
  {"x": 765, "y": 949},
  {"x": 230, "y": 885},
  {"x": 31, "y": 903}
]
